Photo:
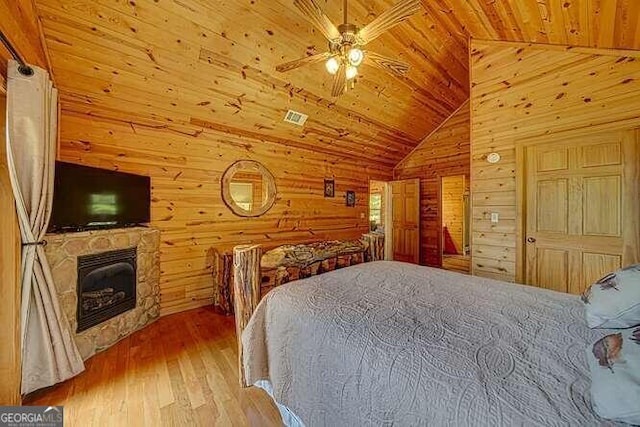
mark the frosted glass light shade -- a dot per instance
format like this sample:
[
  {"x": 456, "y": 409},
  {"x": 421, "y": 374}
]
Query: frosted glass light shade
[
  {"x": 332, "y": 65},
  {"x": 356, "y": 56},
  {"x": 351, "y": 72}
]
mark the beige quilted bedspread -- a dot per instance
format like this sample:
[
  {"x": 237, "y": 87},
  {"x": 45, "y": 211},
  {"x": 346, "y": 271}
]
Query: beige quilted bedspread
[{"x": 388, "y": 343}]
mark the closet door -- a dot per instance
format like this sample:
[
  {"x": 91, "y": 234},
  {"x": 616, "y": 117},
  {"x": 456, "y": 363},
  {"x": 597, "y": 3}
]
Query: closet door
[
  {"x": 405, "y": 202},
  {"x": 582, "y": 209}
]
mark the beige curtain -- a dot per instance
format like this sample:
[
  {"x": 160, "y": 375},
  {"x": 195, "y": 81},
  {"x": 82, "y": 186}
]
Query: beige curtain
[{"x": 49, "y": 353}]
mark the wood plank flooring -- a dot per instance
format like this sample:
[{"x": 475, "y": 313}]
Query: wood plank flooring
[{"x": 179, "y": 371}]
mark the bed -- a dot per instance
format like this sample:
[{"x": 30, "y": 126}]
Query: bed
[{"x": 388, "y": 343}]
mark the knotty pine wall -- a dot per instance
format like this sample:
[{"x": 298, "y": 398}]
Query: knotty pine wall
[
  {"x": 19, "y": 22},
  {"x": 186, "y": 163},
  {"x": 443, "y": 153},
  {"x": 521, "y": 91}
]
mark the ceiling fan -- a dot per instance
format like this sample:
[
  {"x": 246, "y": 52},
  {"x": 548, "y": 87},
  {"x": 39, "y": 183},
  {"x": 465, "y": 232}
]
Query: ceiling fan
[{"x": 346, "y": 41}]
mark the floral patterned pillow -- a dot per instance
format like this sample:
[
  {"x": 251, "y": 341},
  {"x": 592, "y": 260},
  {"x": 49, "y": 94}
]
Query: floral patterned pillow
[
  {"x": 614, "y": 362},
  {"x": 614, "y": 301}
]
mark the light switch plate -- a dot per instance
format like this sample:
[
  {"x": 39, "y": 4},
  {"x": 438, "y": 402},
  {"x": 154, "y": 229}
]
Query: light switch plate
[{"x": 495, "y": 217}]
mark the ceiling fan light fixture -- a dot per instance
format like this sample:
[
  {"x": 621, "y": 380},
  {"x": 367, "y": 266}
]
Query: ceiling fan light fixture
[
  {"x": 346, "y": 42},
  {"x": 333, "y": 65},
  {"x": 356, "y": 56},
  {"x": 352, "y": 72}
]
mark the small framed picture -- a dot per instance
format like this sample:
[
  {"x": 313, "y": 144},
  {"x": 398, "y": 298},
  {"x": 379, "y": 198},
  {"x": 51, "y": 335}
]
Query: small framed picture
[
  {"x": 329, "y": 188},
  {"x": 351, "y": 198}
]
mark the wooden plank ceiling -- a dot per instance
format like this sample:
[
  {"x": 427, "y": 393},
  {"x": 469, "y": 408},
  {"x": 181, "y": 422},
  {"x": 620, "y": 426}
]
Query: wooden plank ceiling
[{"x": 212, "y": 63}]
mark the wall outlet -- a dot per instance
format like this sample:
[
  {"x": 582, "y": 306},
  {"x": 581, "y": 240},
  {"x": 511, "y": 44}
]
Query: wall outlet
[
  {"x": 361, "y": 215},
  {"x": 495, "y": 217}
]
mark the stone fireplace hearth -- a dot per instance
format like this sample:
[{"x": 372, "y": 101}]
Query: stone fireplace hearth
[{"x": 106, "y": 261}]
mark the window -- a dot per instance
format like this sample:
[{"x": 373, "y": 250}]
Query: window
[{"x": 375, "y": 211}]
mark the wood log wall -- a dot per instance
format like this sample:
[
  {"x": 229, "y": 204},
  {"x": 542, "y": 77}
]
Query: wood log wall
[
  {"x": 443, "y": 153},
  {"x": 186, "y": 164},
  {"x": 522, "y": 91}
]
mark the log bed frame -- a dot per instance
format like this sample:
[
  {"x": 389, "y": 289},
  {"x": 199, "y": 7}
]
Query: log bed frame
[{"x": 253, "y": 281}]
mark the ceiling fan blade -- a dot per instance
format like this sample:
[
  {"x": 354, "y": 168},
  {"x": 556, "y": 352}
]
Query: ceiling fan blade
[
  {"x": 308, "y": 60},
  {"x": 317, "y": 17},
  {"x": 401, "y": 11},
  {"x": 395, "y": 67},
  {"x": 339, "y": 82}
]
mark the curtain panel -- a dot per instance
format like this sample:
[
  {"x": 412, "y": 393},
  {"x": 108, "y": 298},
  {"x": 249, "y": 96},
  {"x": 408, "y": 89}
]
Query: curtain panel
[{"x": 49, "y": 353}]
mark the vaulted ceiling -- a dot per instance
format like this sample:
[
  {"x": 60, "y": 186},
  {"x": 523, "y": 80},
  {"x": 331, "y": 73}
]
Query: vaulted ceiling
[{"x": 212, "y": 63}]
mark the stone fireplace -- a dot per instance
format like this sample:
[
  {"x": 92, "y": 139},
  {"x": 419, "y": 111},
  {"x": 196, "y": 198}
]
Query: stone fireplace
[{"x": 107, "y": 283}]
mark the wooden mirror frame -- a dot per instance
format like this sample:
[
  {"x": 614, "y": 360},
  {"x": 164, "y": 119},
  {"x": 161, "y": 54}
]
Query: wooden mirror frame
[{"x": 266, "y": 175}]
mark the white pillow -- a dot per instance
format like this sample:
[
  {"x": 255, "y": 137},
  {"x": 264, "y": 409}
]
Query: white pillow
[
  {"x": 614, "y": 362},
  {"x": 614, "y": 301}
]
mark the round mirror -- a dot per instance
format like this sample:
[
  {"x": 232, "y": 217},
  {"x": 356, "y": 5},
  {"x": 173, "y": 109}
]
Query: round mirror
[{"x": 248, "y": 188}]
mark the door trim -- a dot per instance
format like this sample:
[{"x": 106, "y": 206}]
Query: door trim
[
  {"x": 388, "y": 223},
  {"x": 521, "y": 206}
]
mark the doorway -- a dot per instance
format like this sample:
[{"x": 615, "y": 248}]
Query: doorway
[
  {"x": 394, "y": 210},
  {"x": 380, "y": 214},
  {"x": 377, "y": 205},
  {"x": 580, "y": 208},
  {"x": 455, "y": 218}
]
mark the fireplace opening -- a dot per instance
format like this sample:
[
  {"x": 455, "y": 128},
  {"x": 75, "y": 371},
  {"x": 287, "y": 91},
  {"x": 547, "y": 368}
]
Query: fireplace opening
[{"x": 106, "y": 286}]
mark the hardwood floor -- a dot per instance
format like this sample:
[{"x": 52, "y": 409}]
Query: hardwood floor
[{"x": 179, "y": 371}]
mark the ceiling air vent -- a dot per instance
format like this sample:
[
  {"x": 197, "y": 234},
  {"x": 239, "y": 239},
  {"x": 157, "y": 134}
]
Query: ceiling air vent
[{"x": 295, "y": 118}]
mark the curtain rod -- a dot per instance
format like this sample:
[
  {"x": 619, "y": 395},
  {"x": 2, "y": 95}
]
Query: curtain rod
[{"x": 23, "y": 68}]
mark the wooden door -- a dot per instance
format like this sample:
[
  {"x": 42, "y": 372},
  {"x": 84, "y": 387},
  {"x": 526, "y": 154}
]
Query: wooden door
[
  {"x": 582, "y": 209},
  {"x": 405, "y": 207}
]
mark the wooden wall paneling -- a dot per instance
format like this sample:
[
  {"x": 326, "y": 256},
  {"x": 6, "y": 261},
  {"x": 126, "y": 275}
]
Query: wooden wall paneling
[
  {"x": 515, "y": 96},
  {"x": 443, "y": 153},
  {"x": 19, "y": 23},
  {"x": 186, "y": 163},
  {"x": 9, "y": 281},
  {"x": 588, "y": 23}
]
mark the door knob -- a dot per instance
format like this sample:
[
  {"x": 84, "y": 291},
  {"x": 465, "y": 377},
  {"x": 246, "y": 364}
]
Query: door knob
[{"x": 531, "y": 239}]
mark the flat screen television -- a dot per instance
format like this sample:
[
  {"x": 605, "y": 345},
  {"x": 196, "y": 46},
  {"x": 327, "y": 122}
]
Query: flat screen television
[{"x": 87, "y": 198}]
